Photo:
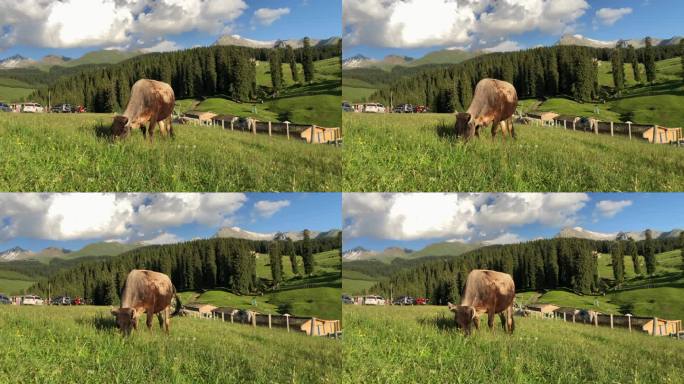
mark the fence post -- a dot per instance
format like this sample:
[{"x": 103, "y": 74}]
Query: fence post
[
  {"x": 573, "y": 125},
  {"x": 319, "y": 138},
  {"x": 287, "y": 321},
  {"x": 629, "y": 129},
  {"x": 565, "y": 124},
  {"x": 629, "y": 321},
  {"x": 611, "y": 128},
  {"x": 287, "y": 129},
  {"x": 313, "y": 130},
  {"x": 232, "y": 128},
  {"x": 564, "y": 316},
  {"x": 573, "y": 317},
  {"x": 231, "y": 317},
  {"x": 223, "y": 124},
  {"x": 611, "y": 321},
  {"x": 223, "y": 317},
  {"x": 313, "y": 321},
  {"x": 254, "y": 319},
  {"x": 269, "y": 321},
  {"x": 269, "y": 128},
  {"x": 655, "y": 323},
  {"x": 254, "y": 127},
  {"x": 596, "y": 320}
]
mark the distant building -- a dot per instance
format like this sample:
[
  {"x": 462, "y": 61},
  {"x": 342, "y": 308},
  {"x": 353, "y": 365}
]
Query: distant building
[
  {"x": 320, "y": 134},
  {"x": 663, "y": 327},
  {"x": 664, "y": 135}
]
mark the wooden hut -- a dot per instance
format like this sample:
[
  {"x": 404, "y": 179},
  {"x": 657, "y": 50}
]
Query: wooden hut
[
  {"x": 199, "y": 116},
  {"x": 320, "y": 327},
  {"x": 202, "y": 310},
  {"x": 663, "y": 135},
  {"x": 320, "y": 134},
  {"x": 662, "y": 327}
]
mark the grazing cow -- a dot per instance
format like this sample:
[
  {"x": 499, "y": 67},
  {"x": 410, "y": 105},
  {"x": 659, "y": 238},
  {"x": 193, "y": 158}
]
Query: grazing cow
[
  {"x": 146, "y": 292},
  {"x": 151, "y": 101},
  {"x": 494, "y": 101},
  {"x": 486, "y": 291},
  {"x": 506, "y": 126},
  {"x": 246, "y": 123},
  {"x": 166, "y": 127}
]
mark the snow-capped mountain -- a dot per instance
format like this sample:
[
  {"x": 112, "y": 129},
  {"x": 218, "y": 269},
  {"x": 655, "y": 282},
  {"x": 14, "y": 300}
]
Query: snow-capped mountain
[
  {"x": 16, "y": 61},
  {"x": 358, "y": 253},
  {"x": 569, "y": 39},
  {"x": 16, "y": 253},
  {"x": 239, "y": 233},
  {"x": 294, "y": 43},
  {"x": 357, "y": 61},
  {"x": 582, "y": 233}
]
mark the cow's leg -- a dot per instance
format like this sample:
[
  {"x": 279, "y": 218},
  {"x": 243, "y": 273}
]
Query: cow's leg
[
  {"x": 512, "y": 132},
  {"x": 150, "y": 314},
  {"x": 504, "y": 324},
  {"x": 495, "y": 127},
  {"x": 153, "y": 123},
  {"x": 143, "y": 128},
  {"x": 509, "y": 320},
  {"x": 490, "y": 319},
  {"x": 173, "y": 136},
  {"x": 167, "y": 320},
  {"x": 160, "y": 317}
]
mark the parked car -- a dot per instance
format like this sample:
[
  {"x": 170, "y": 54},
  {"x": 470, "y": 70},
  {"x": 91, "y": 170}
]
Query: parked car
[
  {"x": 346, "y": 107},
  {"x": 31, "y": 300},
  {"x": 347, "y": 300},
  {"x": 421, "y": 109},
  {"x": 4, "y": 299},
  {"x": 373, "y": 108},
  {"x": 404, "y": 300},
  {"x": 403, "y": 108},
  {"x": 32, "y": 108},
  {"x": 422, "y": 301},
  {"x": 62, "y": 108},
  {"x": 78, "y": 301},
  {"x": 373, "y": 300},
  {"x": 61, "y": 300},
  {"x": 79, "y": 109},
  {"x": 5, "y": 107}
]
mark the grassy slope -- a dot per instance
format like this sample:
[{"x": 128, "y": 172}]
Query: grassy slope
[
  {"x": 315, "y": 103},
  {"x": 410, "y": 153},
  {"x": 63, "y": 153},
  {"x": 657, "y": 103},
  {"x": 12, "y": 90},
  {"x": 356, "y": 94},
  {"x": 658, "y": 295},
  {"x": 316, "y": 295},
  {"x": 354, "y": 282},
  {"x": 404, "y": 344},
  {"x": 81, "y": 344},
  {"x": 13, "y": 283}
]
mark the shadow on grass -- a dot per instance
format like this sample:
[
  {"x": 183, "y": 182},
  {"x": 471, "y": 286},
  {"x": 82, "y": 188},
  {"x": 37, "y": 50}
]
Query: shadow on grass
[
  {"x": 100, "y": 323},
  {"x": 447, "y": 131},
  {"x": 444, "y": 323}
]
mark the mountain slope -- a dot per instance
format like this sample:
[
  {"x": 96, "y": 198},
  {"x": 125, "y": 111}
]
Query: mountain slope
[
  {"x": 240, "y": 41},
  {"x": 239, "y": 233},
  {"x": 570, "y": 39}
]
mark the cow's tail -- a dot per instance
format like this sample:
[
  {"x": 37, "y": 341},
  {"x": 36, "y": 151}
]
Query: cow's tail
[{"x": 179, "y": 305}]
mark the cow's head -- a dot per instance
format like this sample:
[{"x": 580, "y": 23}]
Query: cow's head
[
  {"x": 125, "y": 319},
  {"x": 465, "y": 316},
  {"x": 120, "y": 126},
  {"x": 465, "y": 125}
]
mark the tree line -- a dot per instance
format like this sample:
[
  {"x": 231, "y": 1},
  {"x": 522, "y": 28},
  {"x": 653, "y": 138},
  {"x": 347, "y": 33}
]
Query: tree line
[
  {"x": 569, "y": 71},
  {"x": 205, "y": 71},
  {"x": 568, "y": 263},
  {"x": 200, "y": 264}
]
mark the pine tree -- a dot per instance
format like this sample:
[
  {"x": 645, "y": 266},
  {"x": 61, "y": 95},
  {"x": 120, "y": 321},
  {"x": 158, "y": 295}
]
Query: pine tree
[
  {"x": 276, "y": 262},
  {"x": 633, "y": 251},
  {"x": 307, "y": 61},
  {"x": 307, "y": 253},
  {"x": 465, "y": 90},
  {"x": 681, "y": 52},
  {"x": 649, "y": 61},
  {"x": 292, "y": 60},
  {"x": 634, "y": 59},
  {"x": 649, "y": 253},
  {"x": 290, "y": 249},
  {"x": 618, "y": 70},
  {"x": 276, "y": 70},
  {"x": 618, "y": 262},
  {"x": 109, "y": 295},
  {"x": 681, "y": 247}
]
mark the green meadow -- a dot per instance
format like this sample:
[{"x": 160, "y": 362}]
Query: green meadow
[
  {"x": 418, "y": 152},
  {"x": 65, "y": 152},
  {"x": 407, "y": 344},
  {"x": 82, "y": 344}
]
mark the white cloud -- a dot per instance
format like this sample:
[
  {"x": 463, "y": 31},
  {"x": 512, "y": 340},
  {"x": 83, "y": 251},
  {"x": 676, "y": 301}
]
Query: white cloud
[
  {"x": 163, "y": 46},
  {"x": 423, "y": 23},
  {"x": 505, "y": 46},
  {"x": 80, "y": 23},
  {"x": 609, "y": 16},
  {"x": 457, "y": 216},
  {"x": 266, "y": 208},
  {"x": 610, "y": 208},
  {"x": 266, "y": 16},
  {"x": 163, "y": 238},
  {"x": 505, "y": 238},
  {"x": 68, "y": 216}
]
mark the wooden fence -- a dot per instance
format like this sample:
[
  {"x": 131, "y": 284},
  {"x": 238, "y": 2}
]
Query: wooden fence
[
  {"x": 309, "y": 325},
  {"x": 605, "y": 127},
  {"x": 658, "y": 327}
]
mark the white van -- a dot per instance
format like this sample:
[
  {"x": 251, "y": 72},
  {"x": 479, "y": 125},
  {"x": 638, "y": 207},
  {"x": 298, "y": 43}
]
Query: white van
[
  {"x": 373, "y": 108},
  {"x": 373, "y": 300},
  {"x": 32, "y": 108},
  {"x": 31, "y": 300}
]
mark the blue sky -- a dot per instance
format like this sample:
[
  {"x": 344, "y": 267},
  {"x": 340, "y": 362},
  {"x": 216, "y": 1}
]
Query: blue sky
[
  {"x": 376, "y": 223},
  {"x": 63, "y": 28},
  {"x": 37, "y": 221},
  {"x": 624, "y": 19}
]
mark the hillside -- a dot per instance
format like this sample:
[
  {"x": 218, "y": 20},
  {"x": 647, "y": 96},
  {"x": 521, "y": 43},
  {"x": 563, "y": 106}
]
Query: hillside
[
  {"x": 316, "y": 295},
  {"x": 389, "y": 343},
  {"x": 81, "y": 344}
]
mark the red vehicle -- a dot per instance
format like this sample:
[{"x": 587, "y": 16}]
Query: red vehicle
[
  {"x": 78, "y": 301},
  {"x": 422, "y": 109},
  {"x": 79, "y": 109},
  {"x": 422, "y": 301}
]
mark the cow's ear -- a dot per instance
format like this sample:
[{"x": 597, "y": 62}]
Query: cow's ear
[
  {"x": 115, "y": 311},
  {"x": 473, "y": 313},
  {"x": 132, "y": 313}
]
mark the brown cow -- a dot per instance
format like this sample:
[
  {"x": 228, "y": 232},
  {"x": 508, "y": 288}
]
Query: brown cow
[
  {"x": 146, "y": 292},
  {"x": 494, "y": 101},
  {"x": 151, "y": 101},
  {"x": 486, "y": 291}
]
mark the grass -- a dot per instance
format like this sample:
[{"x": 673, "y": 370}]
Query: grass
[
  {"x": 13, "y": 286},
  {"x": 408, "y": 344},
  {"x": 356, "y": 94},
  {"x": 315, "y": 295},
  {"x": 81, "y": 344},
  {"x": 12, "y": 94},
  {"x": 391, "y": 152},
  {"x": 50, "y": 152}
]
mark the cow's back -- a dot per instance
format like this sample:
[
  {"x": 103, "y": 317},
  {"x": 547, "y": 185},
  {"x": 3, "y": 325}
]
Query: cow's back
[
  {"x": 150, "y": 98},
  {"x": 147, "y": 290},
  {"x": 485, "y": 288}
]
